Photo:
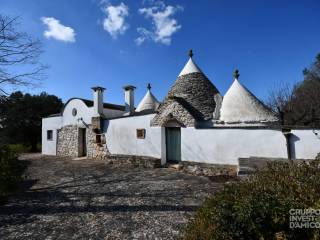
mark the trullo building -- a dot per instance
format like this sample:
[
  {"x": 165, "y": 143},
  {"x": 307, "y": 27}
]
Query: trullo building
[{"x": 194, "y": 123}]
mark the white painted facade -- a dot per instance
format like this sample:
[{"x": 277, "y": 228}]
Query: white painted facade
[
  {"x": 225, "y": 146},
  {"x": 75, "y": 113},
  {"x": 305, "y": 144},
  {"x": 243, "y": 127},
  {"x": 214, "y": 145},
  {"x": 83, "y": 112},
  {"x": 49, "y": 146},
  {"x": 121, "y": 135}
]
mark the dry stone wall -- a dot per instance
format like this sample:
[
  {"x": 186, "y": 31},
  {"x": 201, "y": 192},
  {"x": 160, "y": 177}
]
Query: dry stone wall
[
  {"x": 68, "y": 141},
  {"x": 95, "y": 150},
  {"x": 171, "y": 109}
]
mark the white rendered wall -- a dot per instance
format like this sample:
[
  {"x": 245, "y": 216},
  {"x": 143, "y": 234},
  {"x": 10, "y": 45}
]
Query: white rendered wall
[
  {"x": 49, "y": 147},
  {"x": 305, "y": 144},
  {"x": 83, "y": 112},
  {"x": 122, "y": 139},
  {"x": 225, "y": 146}
]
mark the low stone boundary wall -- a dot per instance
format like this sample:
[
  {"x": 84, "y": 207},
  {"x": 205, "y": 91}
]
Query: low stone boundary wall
[
  {"x": 249, "y": 165},
  {"x": 118, "y": 160},
  {"x": 206, "y": 169}
]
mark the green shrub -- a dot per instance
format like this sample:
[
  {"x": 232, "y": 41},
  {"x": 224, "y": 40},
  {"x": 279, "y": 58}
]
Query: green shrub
[
  {"x": 10, "y": 172},
  {"x": 19, "y": 148},
  {"x": 258, "y": 208}
]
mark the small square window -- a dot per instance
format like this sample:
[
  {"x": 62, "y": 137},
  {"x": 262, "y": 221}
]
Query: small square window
[
  {"x": 141, "y": 133},
  {"x": 49, "y": 135}
]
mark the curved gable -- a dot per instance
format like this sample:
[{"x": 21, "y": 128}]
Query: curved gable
[{"x": 74, "y": 110}]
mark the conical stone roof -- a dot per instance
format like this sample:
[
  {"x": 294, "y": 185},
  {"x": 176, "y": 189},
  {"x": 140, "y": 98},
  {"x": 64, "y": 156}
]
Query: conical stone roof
[
  {"x": 240, "y": 105},
  {"x": 148, "y": 103},
  {"x": 198, "y": 95}
]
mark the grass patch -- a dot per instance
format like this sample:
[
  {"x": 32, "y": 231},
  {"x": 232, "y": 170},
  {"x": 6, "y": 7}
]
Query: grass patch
[{"x": 18, "y": 148}]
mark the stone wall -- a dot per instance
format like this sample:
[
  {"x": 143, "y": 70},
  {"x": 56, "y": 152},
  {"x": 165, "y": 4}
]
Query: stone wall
[
  {"x": 205, "y": 169},
  {"x": 198, "y": 92},
  {"x": 68, "y": 141},
  {"x": 95, "y": 150},
  {"x": 118, "y": 160},
  {"x": 170, "y": 110}
]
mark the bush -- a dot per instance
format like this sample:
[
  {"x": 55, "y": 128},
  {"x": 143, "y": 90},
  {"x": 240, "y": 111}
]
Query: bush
[
  {"x": 258, "y": 208},
  {"x": 10, "y": 172},
  {"x": 19, "y": 148}
]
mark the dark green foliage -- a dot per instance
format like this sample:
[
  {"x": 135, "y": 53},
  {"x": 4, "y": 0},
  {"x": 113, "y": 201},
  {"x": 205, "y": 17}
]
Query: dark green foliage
[
  {"x": 258, "y": 208},
  {"x": 10, "y": 172},
  {"x": 300, "y": 104},
  {"x": 21, "y": 116}
]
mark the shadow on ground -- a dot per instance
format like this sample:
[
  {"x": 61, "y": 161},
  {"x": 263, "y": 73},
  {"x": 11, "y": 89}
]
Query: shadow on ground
[{"x": 66, "y": 199}]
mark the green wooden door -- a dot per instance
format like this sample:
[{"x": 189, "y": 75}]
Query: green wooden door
[{"x": 173, "y": 144}]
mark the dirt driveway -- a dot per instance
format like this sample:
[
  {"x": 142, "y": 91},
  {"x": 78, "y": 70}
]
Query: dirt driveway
[{"x": 86, "y": 199}]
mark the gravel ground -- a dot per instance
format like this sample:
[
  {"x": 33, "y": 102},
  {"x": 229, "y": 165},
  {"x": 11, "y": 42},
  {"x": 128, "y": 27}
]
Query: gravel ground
[{"x": 86, "y": 199}]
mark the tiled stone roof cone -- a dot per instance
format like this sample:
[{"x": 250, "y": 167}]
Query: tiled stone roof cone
[
  {"x": 194, "y": 91},
  {"x": 149, "y": 102},
  {"x": 240, "y": 105}
]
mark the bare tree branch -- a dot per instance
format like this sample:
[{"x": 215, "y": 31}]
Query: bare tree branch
[
  {"x": 18, "y": 51},
  {"x": 300, "y": 103}
]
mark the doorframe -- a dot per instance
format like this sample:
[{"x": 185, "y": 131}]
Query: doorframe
[
  {"x": 82, "y": 142},
  {"x": 171, "y": 122},
  {"x": 180, "y": 150}
]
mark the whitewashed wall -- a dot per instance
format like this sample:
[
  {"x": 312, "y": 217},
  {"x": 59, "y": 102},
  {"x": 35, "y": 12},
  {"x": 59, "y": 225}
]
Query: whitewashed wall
[
  {"x": 225, "y": 146},
  {"x": 49, "y": 147},
  {"x": 122, "y": 139},
  {"x": 83, "y": 112},
  {"x": 218, "y": 146},
  {"x": 305, "y": 144}
]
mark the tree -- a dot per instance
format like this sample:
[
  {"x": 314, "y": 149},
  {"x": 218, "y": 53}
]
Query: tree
[
  {"x": 21, "y": 116},
  {"x": 300, "y": 104},
  {"x": 19, "y": 56}
]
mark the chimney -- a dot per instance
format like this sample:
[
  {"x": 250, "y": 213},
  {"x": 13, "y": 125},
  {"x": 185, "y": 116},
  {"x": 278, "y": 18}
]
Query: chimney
[
  {"x": 97, "y": 101},
  {"x": 129, "y": 98}
]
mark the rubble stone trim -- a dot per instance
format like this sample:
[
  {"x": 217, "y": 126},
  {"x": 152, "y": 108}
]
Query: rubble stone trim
[
  {"x": 119, "y": 160},
  {"x": 206, "y": 169},
  {"x": 172, "y": 110},
  {"x": 68, "y": 141},
  {"x": 95, "y": 150}
]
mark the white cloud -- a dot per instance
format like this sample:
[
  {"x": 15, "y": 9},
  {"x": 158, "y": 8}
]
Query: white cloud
[
  {"x": 58, "y": 31},
  {"x": 115, "y": 23},
  {"x": 164, "y": 25}
]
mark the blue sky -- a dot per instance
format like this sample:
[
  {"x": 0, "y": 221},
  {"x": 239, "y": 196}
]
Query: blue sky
[{"x": 115, "y": 43}]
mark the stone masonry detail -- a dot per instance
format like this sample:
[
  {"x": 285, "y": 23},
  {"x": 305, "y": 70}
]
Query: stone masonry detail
[
  {"x": 173, "y": 110},
  {"x": 95, "y": 150},
  {"x": 192, "y": 98},
  {"x": 68, "y": 141}
]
